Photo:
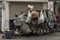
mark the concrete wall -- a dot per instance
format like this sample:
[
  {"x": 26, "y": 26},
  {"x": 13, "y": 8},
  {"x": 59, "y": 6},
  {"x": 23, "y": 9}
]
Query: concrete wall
[
  {"x": 30, "y": 0},
  {"x": 1, "y": 0},
  {"x": 5, "y": 23},
  {"x": 16, "y": 7},
  {"x": 45, "y": 5},
  {"x": 57, "y": 5}
]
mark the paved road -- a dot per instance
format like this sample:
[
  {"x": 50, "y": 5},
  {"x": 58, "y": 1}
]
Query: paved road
[
  {"x": 7, "y": 39},
  {"x": 53, "y": 36}
]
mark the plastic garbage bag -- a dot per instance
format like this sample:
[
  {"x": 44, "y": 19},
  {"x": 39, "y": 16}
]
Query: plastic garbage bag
[
  {"x": 28, "y": 18},
  {"x": 25, "y": 28},
  {"x": 41, "y": 18}
]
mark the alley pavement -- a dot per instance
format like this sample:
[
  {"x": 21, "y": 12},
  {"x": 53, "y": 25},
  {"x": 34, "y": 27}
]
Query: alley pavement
[
  {"x": 7, "y": 39},
  {"x": 52, "y": 36}
]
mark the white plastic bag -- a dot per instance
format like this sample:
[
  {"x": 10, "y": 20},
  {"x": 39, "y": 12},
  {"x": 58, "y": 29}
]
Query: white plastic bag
[
  {"x": 28, "y": 17},
  {"x": 41, "y": 18}
]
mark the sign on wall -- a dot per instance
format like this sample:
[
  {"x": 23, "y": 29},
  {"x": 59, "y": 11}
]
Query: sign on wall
[{"x": 51, "y": 6}]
